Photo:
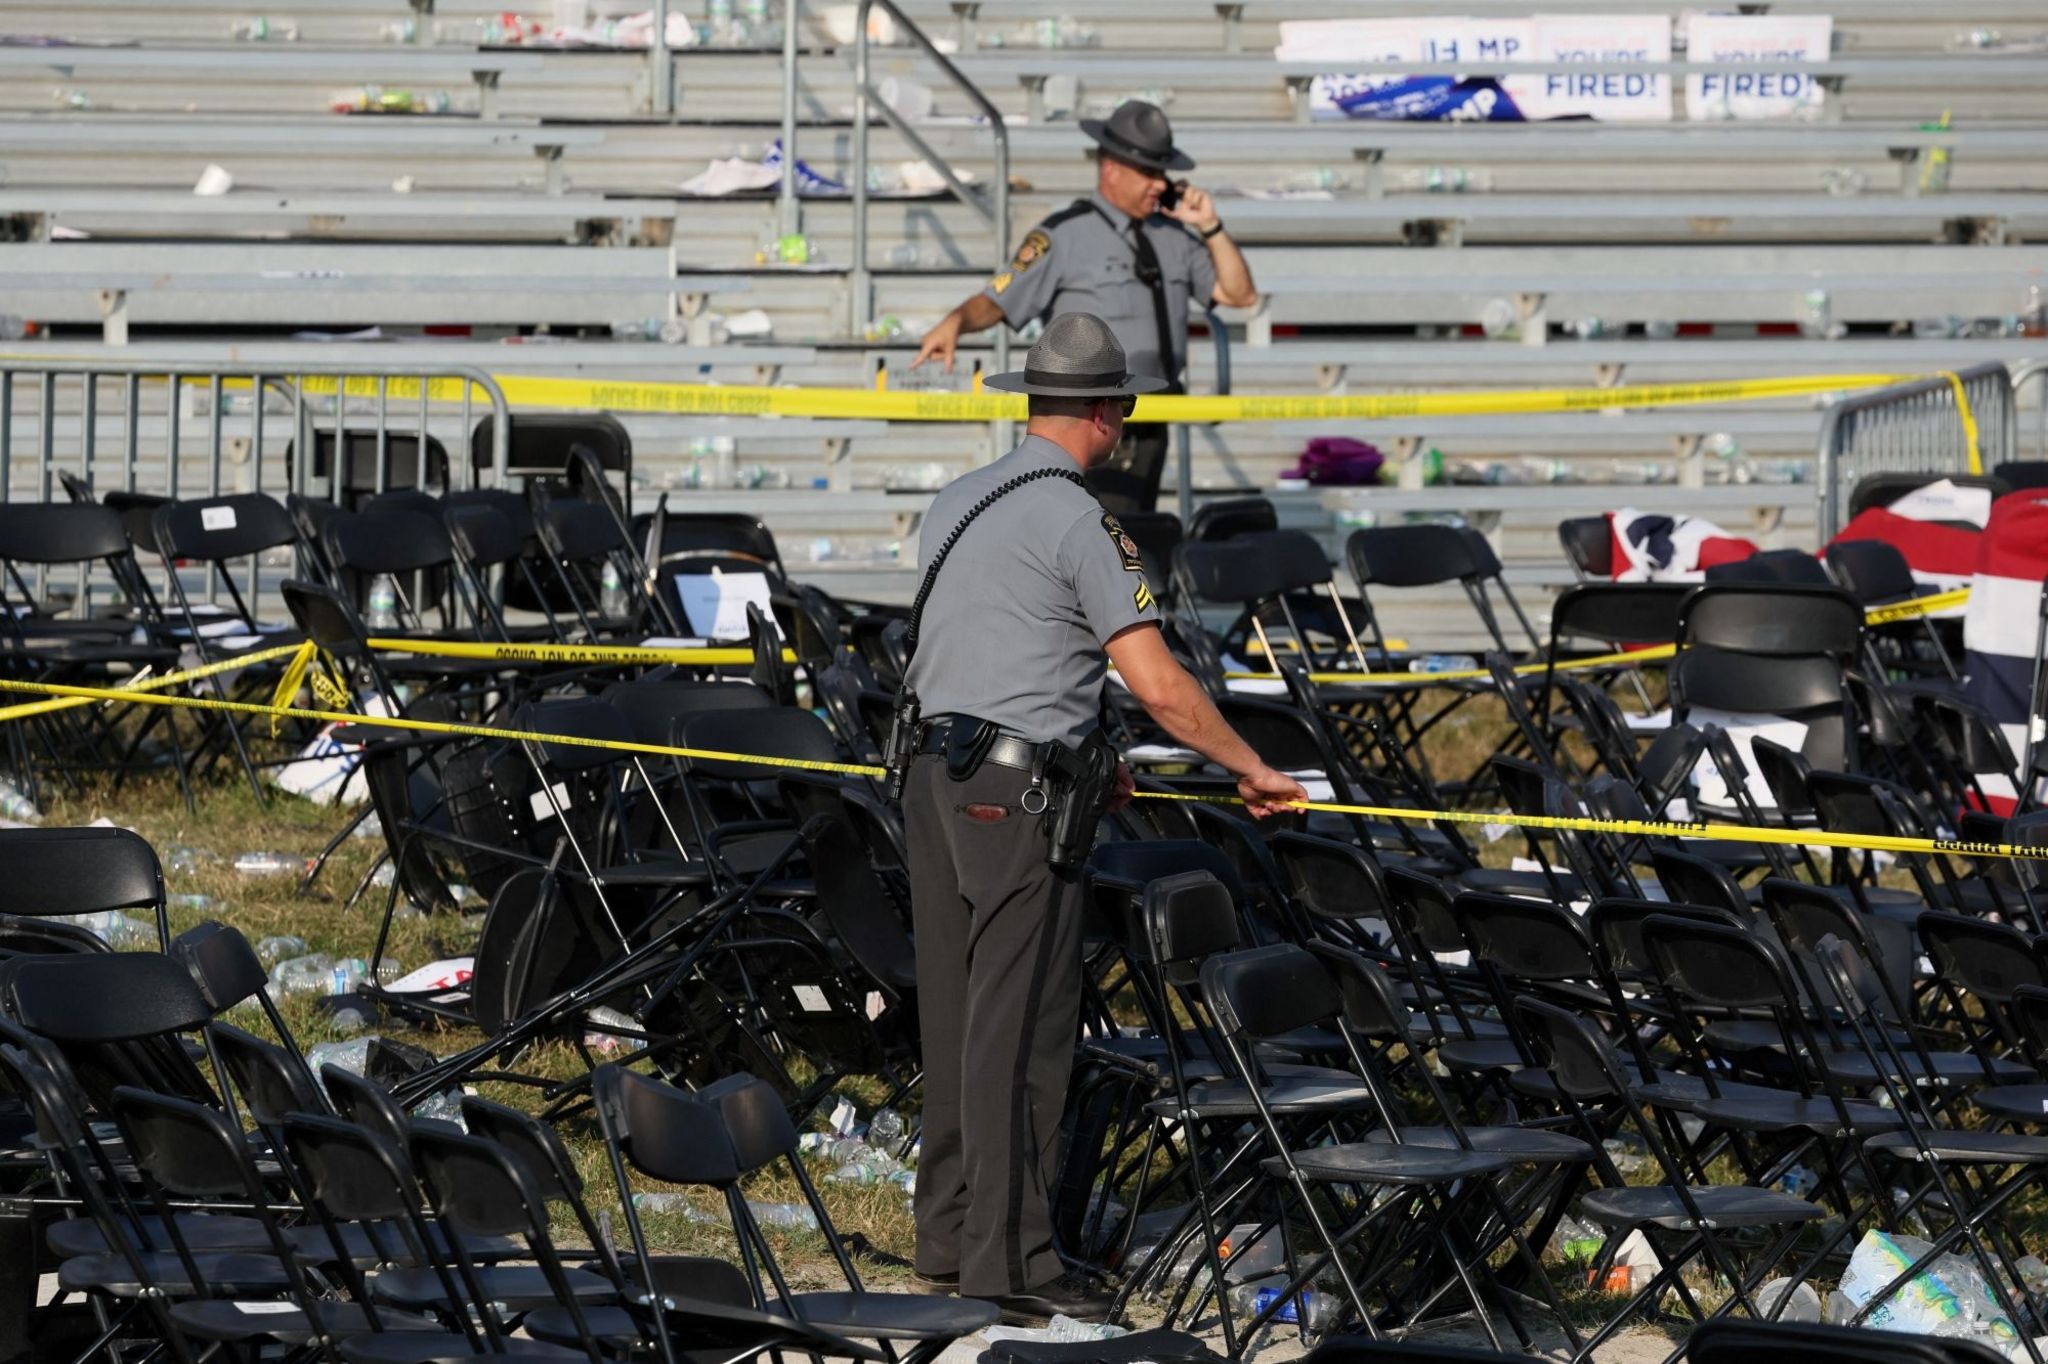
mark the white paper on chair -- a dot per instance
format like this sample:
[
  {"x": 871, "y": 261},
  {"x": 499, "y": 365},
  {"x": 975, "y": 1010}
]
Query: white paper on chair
[
  {"x": 1741, "y": 727},
  {"x": 716, "y": 602}
]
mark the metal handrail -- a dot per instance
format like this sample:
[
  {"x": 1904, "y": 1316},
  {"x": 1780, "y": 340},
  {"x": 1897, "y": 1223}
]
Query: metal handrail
[
  {"x": 998, "y": 215},
  {"x": 1902, "y": 410},
  {"x": 2023, "y": 375}
]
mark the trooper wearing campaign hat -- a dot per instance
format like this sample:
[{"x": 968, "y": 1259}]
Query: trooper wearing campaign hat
[
  {"x": 1134, "y": 253},
  {"x": 1038, "y": 590}
]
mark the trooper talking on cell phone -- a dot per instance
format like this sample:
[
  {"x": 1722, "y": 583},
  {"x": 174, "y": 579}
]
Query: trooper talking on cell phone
[
  {"x": 1029, "y": 591},
  {"x": 1134, "y": 253}
]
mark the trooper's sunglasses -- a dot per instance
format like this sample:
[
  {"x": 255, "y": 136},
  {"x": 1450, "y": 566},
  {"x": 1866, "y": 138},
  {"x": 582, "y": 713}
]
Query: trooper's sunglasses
[{"x": 1128, "y": 402}]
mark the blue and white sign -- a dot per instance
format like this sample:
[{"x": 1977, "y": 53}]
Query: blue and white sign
[
  {"x": 1610, "y": 40},
  {"x": 1715, "y": 96}
]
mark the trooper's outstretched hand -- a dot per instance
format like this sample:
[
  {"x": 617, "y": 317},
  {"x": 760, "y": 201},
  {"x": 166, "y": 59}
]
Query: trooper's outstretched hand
[
  {"x": 939, "y": 344},
  {"x": 1267, "y": 792}
]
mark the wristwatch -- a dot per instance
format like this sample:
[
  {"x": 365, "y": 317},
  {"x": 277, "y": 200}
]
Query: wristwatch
[{"x": 1213, "y": 231}]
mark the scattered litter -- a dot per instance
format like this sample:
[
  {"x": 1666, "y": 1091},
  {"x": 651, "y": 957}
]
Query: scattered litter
[
  {"x": 280, "y": 947},
  {"x": 115, "y": 929},
  {"x": 1946, "y": 1298},
  {"x": 1061, "y": 1330},
  {"x": 269, "y": 864},
  {"x": 214, "y": 181}
]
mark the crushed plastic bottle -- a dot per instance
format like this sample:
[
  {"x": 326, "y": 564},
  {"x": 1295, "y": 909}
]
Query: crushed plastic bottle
[
  {"x": 193, "y": 901},
  {"x": 184, "y": 859},
  {"x": 15, "y": 804},
  {"x": 381, "y": 611},
  {"x": 352, "y": 1056},
  {"x": 268, "y": 864},
  {"x": 1799, "y": 1181},
  {"x": 789, "y": 1216},
  {"x": 443, "y": 1107},
  {"x": 1576, "y": 1240},
  {"x": 1313, "y": 1310},
  {"x": 279, "y": 947},
  {"x": 115, "y": 929},
  {"x": 1803, "y": 1305},
  {"x": 1443, "y": 663},
  {"x": 318, "y": 973},
  {"x": 610, "y": 1043},
  {"x": 1816, "y": 317},
  {"x": 885, "y": 1130}
]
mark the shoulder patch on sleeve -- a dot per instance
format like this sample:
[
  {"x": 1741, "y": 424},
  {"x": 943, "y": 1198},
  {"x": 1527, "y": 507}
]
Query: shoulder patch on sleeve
[
  {"x": 1126, "y": 547},
  {"x": 1037, "y": 245},
  {"x": 1142, "y": 598}
]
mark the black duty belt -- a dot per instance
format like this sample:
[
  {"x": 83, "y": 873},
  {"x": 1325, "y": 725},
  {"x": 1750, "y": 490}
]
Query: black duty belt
[{"x": 1007, "y": 751}]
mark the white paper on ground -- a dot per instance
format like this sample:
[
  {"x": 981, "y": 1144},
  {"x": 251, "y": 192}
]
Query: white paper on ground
[{"x": 1742, "y": 728}]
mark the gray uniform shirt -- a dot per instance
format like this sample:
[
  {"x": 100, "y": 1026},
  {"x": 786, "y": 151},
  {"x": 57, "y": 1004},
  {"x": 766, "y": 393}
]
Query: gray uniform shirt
[
  {"x": 1015, "y": 625},
  {"x": 1081, "y": 260}
]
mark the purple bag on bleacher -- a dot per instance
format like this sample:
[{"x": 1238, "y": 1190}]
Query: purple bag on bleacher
[{"x": 1339, "y": 461}]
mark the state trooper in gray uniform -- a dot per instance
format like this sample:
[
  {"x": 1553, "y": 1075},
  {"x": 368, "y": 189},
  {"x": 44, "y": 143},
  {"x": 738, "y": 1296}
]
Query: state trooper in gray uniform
[
  {"x": 1134, "y": 253},
  {"x": 1039, "y": 590}
]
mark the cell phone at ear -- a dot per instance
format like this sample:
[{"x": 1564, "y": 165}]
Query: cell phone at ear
[{"x": 1170, "y": 196}]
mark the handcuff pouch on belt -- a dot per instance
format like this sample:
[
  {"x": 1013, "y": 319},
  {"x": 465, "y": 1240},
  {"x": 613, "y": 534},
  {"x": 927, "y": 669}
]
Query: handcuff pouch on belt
[{"x": 904, "y": 727}]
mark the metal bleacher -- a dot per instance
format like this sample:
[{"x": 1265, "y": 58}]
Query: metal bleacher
[{"x": 544, "y": 205}]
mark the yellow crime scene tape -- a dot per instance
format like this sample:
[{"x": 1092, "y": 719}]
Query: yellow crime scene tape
[
  {"x": 147, "y": 684},
  {"x": 698, "y": 655},
  {"x": 1733, "y": 833},
  {"x": 761, "y": 400},
  {"x": 1875, "y": 615}
]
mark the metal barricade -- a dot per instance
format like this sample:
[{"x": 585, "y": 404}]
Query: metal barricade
[
  {"x": 2032, "y": 442},
  {"x": 207, "y": 430},
  {"x": 1914, "y": 427}
]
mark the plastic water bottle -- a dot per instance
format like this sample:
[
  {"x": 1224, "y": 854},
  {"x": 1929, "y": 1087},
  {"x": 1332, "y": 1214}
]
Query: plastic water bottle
[
  {"x": 300, "y": 975},
  {"x": 15, "y": 804},
  {"x": 192, "y": 901},
  {"x": 608, "y": 1042},
  {"x": 116, "y": 929},
  {"x": 885, "y": 1130},
  {"x": 383, "y": 605},
  {"x": 1444, "y": 663},
  {"x": 662, "y": 1201},
  {"x": 1312, "y": 1310},
  {"x": 790, "y": 1216},
  {"x": 267, "y": 864},
  {"x": 280, "y": 947},
  {"x": 611, "y": 593}
]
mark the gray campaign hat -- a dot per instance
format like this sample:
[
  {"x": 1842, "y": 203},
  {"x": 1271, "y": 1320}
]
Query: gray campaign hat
[
  {"x": 1138, "y": 132},
  {"x": 1077, "y": 356}
]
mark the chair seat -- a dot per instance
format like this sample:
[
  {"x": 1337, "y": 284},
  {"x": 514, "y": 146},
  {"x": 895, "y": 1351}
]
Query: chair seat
[
  {"x": 422, "y": 1347},
  {"x": 222, "y": 1319},
  {"x": 1501, "y": 881},
  {"x": 1474, "y": 1054},
  {"x": 389, "y": 1245},
  {"x": 1673, "y": 1089},
  {"x": 201, "y": 1232},
  {"x": 1950, "y": 1068},
  {"x": 696, "y": 1324},
  {"x": 890, "y": 1316},
  {"x": 227, "y": 1274},
  {"x": 1963, "y": 1147},
  {"x": 1723, "y": 1205},
  {"x": 2014, "y": 1103},
  {"x": 518, "y": 1287},
  {"x": 1374, "y": 1163},
  {"x": 1232, "y": 1099},
  {"x": 1522, "y": 1145},
  {"x": 1482, "y": 1029},
  {"x": 1780, "y": 1112}
]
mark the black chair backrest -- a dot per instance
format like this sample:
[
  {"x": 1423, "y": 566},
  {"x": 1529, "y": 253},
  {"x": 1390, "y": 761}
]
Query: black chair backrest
[
  {"x": 1990, "y": 960},
  {"x": 1372, "y": 1001},
  {"x": 59, "y": 532},
  {"x": 1413, "y": 556},
  {"x": 1780, "y": 621},
  {"x": 116, "y": 997},
  {"x": 575, "y": 717},
  {"x": 652, "y": 705},
  {"x": 51, "y": 872},
  {"x": 1157, "y": 534},
  {"x": 354, "y": 1173},
  {"x": 476, "y": 1187},
  {"x": 1267, "y": 991},
  {"x": 272, "y": 1087},
  {"x": 578, "y": 530},
  {"x": 484, "y": 536},
  {"x": 1874, "y": 570},
  {"x": 756, "y": 1120},
  {"x": 401, "y": 541},
  {"x": 1785, "y": 772},
  {"x": 186, "y": 1147},
  {"x": 363, "y": 1101},
  {"x": 782, "y": 732},
  {"x": 535, "y": 1144},
  {"x": 1328, "y": 878},
  {"x": 1251, "y": 568},
  {"x": 215, "y": 528},
  {"x": 665, "y": 1132},
  {"x": 1229, "y": 517},
  {"x": 1616, "y": 924},
  {"x": 1620, "y": 613},
  {"x": 1792, "y": 566},
  {"x": 1422, "y": 906},
  {"x": 402, "y": 499},
  {"x": 1184, "y": 918},
  {"x": 1527, "y": 940},
  {"x": 1589, "y": 544},
  {"x": 1717, "y": 966},
  {"x": 221, "y": 963},
  {"x": 358, "y": 477},
  {"x": 853, "y": 900},
  {"x": 541, "y": 444},
  {"x": 1582, "y": 1061},
  {"x": 2022, "y": 474},
  {"x": 1138, "y": 863},
  {"x": 511, "y": 505}
]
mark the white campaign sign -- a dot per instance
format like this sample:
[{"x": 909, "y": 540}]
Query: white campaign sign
[
  {"x": 1610, "y": 96},
  {"x": 716, "y": 602},
  {"x": 1390, "y": 42},
  {"x": 1712, "y": 96}
]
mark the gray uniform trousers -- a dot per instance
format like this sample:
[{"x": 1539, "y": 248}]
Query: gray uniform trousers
[{"x": 999, "y": 1002}]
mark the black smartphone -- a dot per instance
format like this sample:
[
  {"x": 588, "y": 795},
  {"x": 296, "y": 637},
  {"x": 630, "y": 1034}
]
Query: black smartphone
[{"x": 1170, "y": 196}]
